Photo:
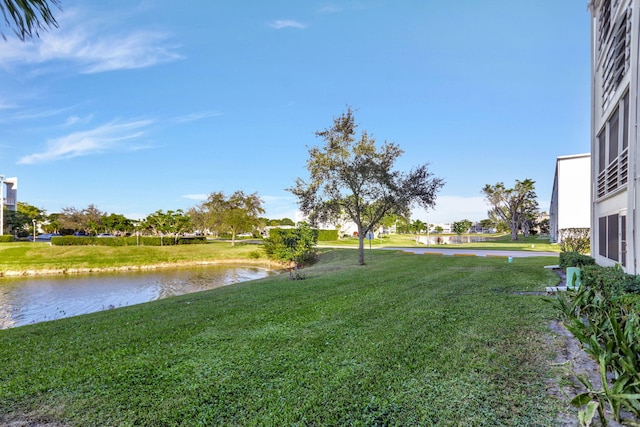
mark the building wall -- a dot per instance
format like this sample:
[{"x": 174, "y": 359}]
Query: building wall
[
  {"x": 11, "y": 194},
  {"x": 614, "y": 141},
  {"x": 571, "y": 196}
]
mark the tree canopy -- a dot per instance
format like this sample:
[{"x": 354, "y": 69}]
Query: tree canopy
[
  {"x": 462, "y": 226},
  {"x": 171, "y": 222},
  {"x": 26, "y": 18},
  {"x": 352, "y": 176},
  {"x": 235, "y": 214},
  {"x": 515, "y": 206}
]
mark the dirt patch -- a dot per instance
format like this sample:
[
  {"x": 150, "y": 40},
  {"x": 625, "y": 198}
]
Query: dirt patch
[
  {"x": 570, "y": 361},
  {"x": 28, "y": 421}
]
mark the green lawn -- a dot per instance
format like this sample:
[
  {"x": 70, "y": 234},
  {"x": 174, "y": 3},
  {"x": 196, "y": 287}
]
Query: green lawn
[
  {"x": 495, "y": 242},
  {"x": 43, "y": 256},
  {"x": 406, "y": 340}
]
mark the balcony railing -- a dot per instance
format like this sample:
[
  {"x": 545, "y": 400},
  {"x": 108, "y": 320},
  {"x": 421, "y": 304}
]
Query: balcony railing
[{"x": 614, "y": 176}]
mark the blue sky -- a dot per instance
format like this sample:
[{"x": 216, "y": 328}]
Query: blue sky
[{"x": 140, "y": 106}]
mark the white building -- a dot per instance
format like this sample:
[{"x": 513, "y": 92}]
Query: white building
[
  {"x": 11, "y": 194},
  {"x": 8, "y": 198},
  {"x": 614, "y": 133},
  {"x": 571, "y": 195}
]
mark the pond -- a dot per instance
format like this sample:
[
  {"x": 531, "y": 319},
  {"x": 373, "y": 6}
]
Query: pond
[{"x": 36, "y": 299}]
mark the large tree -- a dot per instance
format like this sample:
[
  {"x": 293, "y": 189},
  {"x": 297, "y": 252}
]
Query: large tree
[
  {"x": 19, "y": 221},
  {"x": 351, "y": 176},
  {"x": 238, "y": 213},
  {"x": 168, "y": 223},
  {"x": 27, "y": 17},
  {"x": 242, "y": 214},
  {"x": 117, "y": 224},
  {"x": 514, "y": 205},
  {"x": 461, "y": 227},
  {"x": 88, "y": 220}
]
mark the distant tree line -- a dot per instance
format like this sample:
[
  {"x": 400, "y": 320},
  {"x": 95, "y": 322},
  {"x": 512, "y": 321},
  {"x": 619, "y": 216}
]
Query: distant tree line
[{"x": 219, "y": 216}]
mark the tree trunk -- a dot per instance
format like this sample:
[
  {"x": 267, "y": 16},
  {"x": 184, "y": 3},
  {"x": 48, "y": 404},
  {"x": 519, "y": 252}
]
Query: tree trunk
[
  {"x": 361, "y": 237},
  {"x": 514, "y": 230}
]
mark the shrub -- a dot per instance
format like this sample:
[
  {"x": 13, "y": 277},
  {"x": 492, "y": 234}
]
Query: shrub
[
  {"x": 293, "y": 246},
  {"x": 255, "y": 254},
  {"x": 603, "y": 316},
  {"x": 575, "y": 240},
  {"x": 7, "y": 238},
  {"x": 575, "y": 259}
]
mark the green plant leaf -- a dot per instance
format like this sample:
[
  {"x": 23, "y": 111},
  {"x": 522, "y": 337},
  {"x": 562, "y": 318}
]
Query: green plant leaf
[
  {"x": 582, "y": 399},
  {"x": 586, "y": 417}
]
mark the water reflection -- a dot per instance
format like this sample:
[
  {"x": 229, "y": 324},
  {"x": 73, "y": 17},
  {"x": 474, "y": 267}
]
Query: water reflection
[{"x": 31, "y": 300}]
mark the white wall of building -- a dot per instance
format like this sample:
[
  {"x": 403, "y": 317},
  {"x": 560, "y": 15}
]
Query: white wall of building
[
  {"x": 614, "y": 136},
  {"x": 571, "y": 196}
]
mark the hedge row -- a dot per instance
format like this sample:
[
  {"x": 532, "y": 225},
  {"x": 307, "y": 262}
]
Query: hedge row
[
  {"x": 125, "y": 241},
  {"x": 7, "y": 238},
  {"x": 575, "y": 259}
]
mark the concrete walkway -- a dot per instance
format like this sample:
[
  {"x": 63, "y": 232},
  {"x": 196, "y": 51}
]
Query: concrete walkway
[{"x": 474, "y": 252}]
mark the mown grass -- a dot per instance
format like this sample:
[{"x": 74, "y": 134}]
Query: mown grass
[
  {"x": 42, "y": 256},
  {"x": 501, "y": 242},
  {"x": 405, "y": 340}
]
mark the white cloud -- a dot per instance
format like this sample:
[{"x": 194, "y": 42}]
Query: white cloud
[
  {"x": 454, "y": 208},
  {"x": 278, "y": 207},
  {"x": 287, "y": 23},
  {"x": 107, "y": 137},
  {"x": 197, "y": 197},
  {"x": 74, "y": 120},
  {"x": 31, "y": 115},
  {"x": 198, "y": 116},
  {"x": 5, "y": 106},
  {"x": 87, "y": 43}
]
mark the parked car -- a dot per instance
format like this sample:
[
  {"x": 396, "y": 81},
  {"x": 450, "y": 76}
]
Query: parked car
[
  {"x": 105, "y": 235},
  {"x": 46, "y": 237}
]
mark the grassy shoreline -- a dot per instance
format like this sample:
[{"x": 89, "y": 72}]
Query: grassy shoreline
[
  {"x": 30, "y": 259},
  {"x": 405, "y": 340},
  {"x": 38, "y": 258}
]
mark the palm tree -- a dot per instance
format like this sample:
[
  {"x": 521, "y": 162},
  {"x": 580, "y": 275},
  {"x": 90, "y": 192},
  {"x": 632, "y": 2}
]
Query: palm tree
[
  {"x": 27, "y": 17},
  {"x": 418, "y": 226}
]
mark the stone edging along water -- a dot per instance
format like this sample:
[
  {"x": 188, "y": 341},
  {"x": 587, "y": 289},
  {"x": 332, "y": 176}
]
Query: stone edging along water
[{"x": 127, "y": 268}]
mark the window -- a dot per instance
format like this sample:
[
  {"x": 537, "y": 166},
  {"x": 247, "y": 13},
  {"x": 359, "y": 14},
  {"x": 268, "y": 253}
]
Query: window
[
  {"x": 613, "y": 150},
  {"x": 604, "y": 23},
  {"x": 602, "y": 150},
  {"x": 612, "y": 237},
  {"x": 612, "y": 231},
  {"x": 602, "y": 236},
  {"x": 614, "y": 127},
  {"x": 623, "y": 239},
  {"x": 625, "y": 121},
  {"x": 614, "y": 48}
]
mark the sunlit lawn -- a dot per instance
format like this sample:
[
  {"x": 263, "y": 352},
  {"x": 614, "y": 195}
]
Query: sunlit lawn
[
  {"x": 39, "y": 256},
  {"x": 405, "y": 340},
  {"x": 495, "y": 242}
]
